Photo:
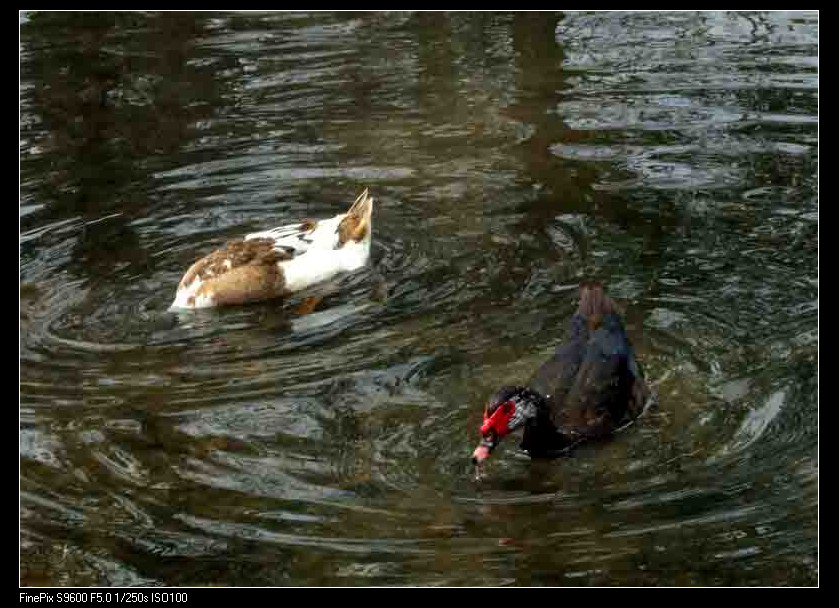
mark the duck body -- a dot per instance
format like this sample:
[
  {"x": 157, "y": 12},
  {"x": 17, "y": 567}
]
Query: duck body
[
  {"x": 278, "y": 262},
  {"x": 591, "y": 386}
]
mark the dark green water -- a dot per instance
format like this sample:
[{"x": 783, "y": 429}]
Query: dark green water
[{"x": 673, "y": 156}]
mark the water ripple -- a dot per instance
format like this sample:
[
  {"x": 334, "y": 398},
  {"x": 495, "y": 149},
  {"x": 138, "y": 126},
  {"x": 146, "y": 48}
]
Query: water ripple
[{"x": 672, "y": 155}]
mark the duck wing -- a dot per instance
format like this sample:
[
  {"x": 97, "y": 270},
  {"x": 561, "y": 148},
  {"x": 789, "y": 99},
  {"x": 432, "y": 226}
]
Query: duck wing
[
  {"x": 240, "y": 271},
  {"x": 295, "y": 239},
  {"x": 556, "y": 376},
  {"x": 608, "y": 388},
  {"x": 326, "y": 234},
  {"x": 593, "y": 383}
]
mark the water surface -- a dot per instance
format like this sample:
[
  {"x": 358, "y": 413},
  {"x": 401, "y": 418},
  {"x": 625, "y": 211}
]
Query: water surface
[{"x": 672, "y": 156}]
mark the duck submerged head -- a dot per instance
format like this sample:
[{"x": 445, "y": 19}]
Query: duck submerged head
[{"x": 507, "y": 410}]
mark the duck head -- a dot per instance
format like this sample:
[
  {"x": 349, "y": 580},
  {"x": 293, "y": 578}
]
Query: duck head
[{"x": 507, "y": 410}]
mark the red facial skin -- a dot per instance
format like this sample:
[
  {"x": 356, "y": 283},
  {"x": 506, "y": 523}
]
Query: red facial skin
[{"x": 494, "y": 428}]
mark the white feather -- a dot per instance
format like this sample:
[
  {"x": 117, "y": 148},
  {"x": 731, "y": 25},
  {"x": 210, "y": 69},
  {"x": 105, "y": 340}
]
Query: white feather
[
  {"x": 318, "y": 265},
  {"x": 187, "y": 298},
  {"x": 291, "y": 238}
]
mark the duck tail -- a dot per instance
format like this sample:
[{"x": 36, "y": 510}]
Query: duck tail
[{"x": 594, "y": 303}]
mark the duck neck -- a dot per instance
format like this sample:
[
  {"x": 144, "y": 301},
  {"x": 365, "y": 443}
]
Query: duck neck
[
  {"x": 531, "y": 399},
  {"x": 530, "y": 407},
  {"x": 542, "y": 439},
  {"x": 313, "y": 267}
]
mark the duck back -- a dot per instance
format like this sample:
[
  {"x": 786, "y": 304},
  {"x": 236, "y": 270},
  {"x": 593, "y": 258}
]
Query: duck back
[{"x": 593, "y": 383}]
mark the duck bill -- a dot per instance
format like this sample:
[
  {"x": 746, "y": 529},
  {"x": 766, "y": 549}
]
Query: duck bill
[{"x": 484, "y": 449}]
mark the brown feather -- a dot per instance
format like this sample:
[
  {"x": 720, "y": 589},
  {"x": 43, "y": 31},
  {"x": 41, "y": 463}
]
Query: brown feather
[
  {"x": 247, "y": 283},
  {"x": 241, "y": 271},
  {"x": 357, "y": 223}
]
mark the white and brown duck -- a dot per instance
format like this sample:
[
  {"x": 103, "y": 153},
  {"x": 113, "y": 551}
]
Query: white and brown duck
[{"x": 281, "y": 261}]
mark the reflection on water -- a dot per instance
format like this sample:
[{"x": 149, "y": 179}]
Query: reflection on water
[{"x": 673, "y": 156}]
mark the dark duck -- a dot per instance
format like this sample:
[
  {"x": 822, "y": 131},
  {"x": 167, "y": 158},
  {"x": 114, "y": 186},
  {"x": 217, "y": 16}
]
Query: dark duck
[{"x": 589, "y": 388}]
